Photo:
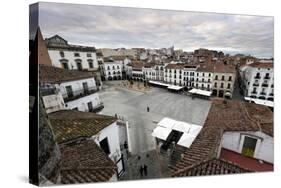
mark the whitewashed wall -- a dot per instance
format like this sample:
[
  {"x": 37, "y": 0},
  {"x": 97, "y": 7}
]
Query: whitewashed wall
[
  {"x": 53, "y": 102},
  {"x": 69, "y": 55},
  {"x": 76, "y": 85},
  {"x": 264, "y": 148},
  {"x": 81, "y": 103},
  {"x": 112, "y": 134}
]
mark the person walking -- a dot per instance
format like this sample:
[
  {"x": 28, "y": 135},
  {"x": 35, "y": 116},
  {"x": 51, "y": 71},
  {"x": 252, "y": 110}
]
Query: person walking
[
  {"x": 147, "y": 108},
  {"x": 145, "y": 170},
  {"x": 141, "y": 171}
]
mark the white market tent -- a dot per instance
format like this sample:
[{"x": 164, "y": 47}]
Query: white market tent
[
  {"x": 260, "y": 101},
  {"x": 159, "y": 83},
  {"x": 200, "y": 92},
  {"x": 166, "y": 125},
  {"x": 175, "y": 87}
]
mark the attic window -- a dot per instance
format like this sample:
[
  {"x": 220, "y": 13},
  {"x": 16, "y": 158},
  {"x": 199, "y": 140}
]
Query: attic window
[
  {"x": 76, "y": 54},
  {"x": 89, "y": 55}
]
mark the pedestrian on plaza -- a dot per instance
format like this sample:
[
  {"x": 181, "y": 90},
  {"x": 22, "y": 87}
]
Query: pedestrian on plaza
[
  {"x": 145, "y": 170},
  {"x": 141, "y": 171},
  {"x": 147, "y": 108}
]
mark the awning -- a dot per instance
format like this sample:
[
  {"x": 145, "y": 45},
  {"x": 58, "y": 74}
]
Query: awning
[
  {"x": 260, "y": 101},
  {"x": 161, "y": 132},
  {"x": 166, "y": 125},
  {"x": 186, "y": 140},
  {"x": 200, "y": 92},
  {"x": 158, "y": 83},
  {"x": 227, "y": 93},
  {"x": 175, "y": 87}
]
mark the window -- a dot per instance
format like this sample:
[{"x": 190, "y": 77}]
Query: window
[
  {"x": 76, "y": 54},
  {"x": 221, "y": 85},
  {"x": 203, "y": 74},
  {"x": 65, "y": 65},
  {"x": 85, "y": 87},
  {"x": 104, "y": 146},
  {"x": 216, "y": 78},
  {"x": 69, "y": 91},
  {"x": 108, "y": 68},
  {"x": 228, "y": 86},
  {"x": 229, "y": 78},
  {"x": 222, "y": 78},
  {"x": 91, "y": 65},
  {"x": 216, "y": 84},
  {"x": 209, "y": 74},
  {"x": 79, "y": 66},
  {"x": 61, "y": 53},
  {"x": 249, "y": 146},
  {"x": 89, "y": 55},
  {"x": 90, "y": 106}
]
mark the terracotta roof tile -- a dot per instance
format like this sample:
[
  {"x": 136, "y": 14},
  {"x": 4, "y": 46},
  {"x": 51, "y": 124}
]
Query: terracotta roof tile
[
  {"x": 84, "y": 162},
  {"x": 50, "y": 74},
  {"x": 224, "y": 116},
  {"x": 71, "y": 124},
  {"x": 261, "y": 65}
]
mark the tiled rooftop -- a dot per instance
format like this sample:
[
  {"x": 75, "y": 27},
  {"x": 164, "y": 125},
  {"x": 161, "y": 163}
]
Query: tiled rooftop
[
  {"x": 50, "y": 74},
  {"x": 85, "y": 162},
  {"x": 224, "y": 116},
  {"x": 71, "y": 124},
  {"x": 245, "y": 162},
  {"x": 213, "y": 167},
  {"x": 261, "y": 65}
]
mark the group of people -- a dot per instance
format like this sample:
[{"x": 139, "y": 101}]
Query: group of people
[{"x": 143, "y": 170}]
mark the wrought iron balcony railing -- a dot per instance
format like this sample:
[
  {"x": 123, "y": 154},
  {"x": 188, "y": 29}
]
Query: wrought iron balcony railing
[{"x": 70, "y": 96}]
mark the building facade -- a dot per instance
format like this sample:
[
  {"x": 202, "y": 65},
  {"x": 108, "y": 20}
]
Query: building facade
[
  {"x": 72, "y": 57},
  {"x": 66, "y": 89},
  {"x": 257, "y": 80}
]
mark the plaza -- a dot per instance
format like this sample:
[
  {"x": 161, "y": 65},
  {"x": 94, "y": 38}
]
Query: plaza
[{"x": 132, "y": 106}]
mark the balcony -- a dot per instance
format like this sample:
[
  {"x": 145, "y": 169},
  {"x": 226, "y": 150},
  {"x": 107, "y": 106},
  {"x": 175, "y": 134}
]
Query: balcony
[
  {"x": 262, "y": 93},
  {"x": 97, "y": 108},
  {"x": 253, "y": 92},
  {"x": 79, "y": 93},
  {"x": 271, "y": 94},
  {"x": 266, "y": 77},
  {"x": 257, "y": 77},
  {"x": 264, "y": 85},
  {"x": 256, "y": 84},
  {"x": 48, "y": 91}
]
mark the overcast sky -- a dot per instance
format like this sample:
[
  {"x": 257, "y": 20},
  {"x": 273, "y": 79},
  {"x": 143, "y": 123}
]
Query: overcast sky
[{"x": 114, "y": 27}]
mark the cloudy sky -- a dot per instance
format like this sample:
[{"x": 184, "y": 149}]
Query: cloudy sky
[{"x": 115, "y": 27}]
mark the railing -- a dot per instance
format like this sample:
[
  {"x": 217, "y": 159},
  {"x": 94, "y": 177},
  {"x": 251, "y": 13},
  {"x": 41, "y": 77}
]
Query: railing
[
  {"x": 79, "y": 93},
  {"x": 271, "y": 94},
  {"x": 267, "y": 77},
  {"x": 264, "y": 85},
  {"x": 48, "y": 91},
  {"x": 256, "y": 84},
  {"x": 262, "y": 93},
  {"x": 254, "y": 92}
]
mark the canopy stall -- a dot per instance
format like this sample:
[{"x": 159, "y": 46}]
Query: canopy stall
[
  {"x": 167, "y": 125},
  {"x": 200, "y": 92},
  {"x": 176, "y": 88},
  {"x": 158, "y": 83},
  {"x": 260, "y": 101}
]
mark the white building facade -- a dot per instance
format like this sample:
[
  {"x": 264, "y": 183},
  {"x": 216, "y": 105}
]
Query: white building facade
[
  {"x": 263, "y": 145},
  {"x": 257, "y": 81},
  {"x": 72, "y": 57}
]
